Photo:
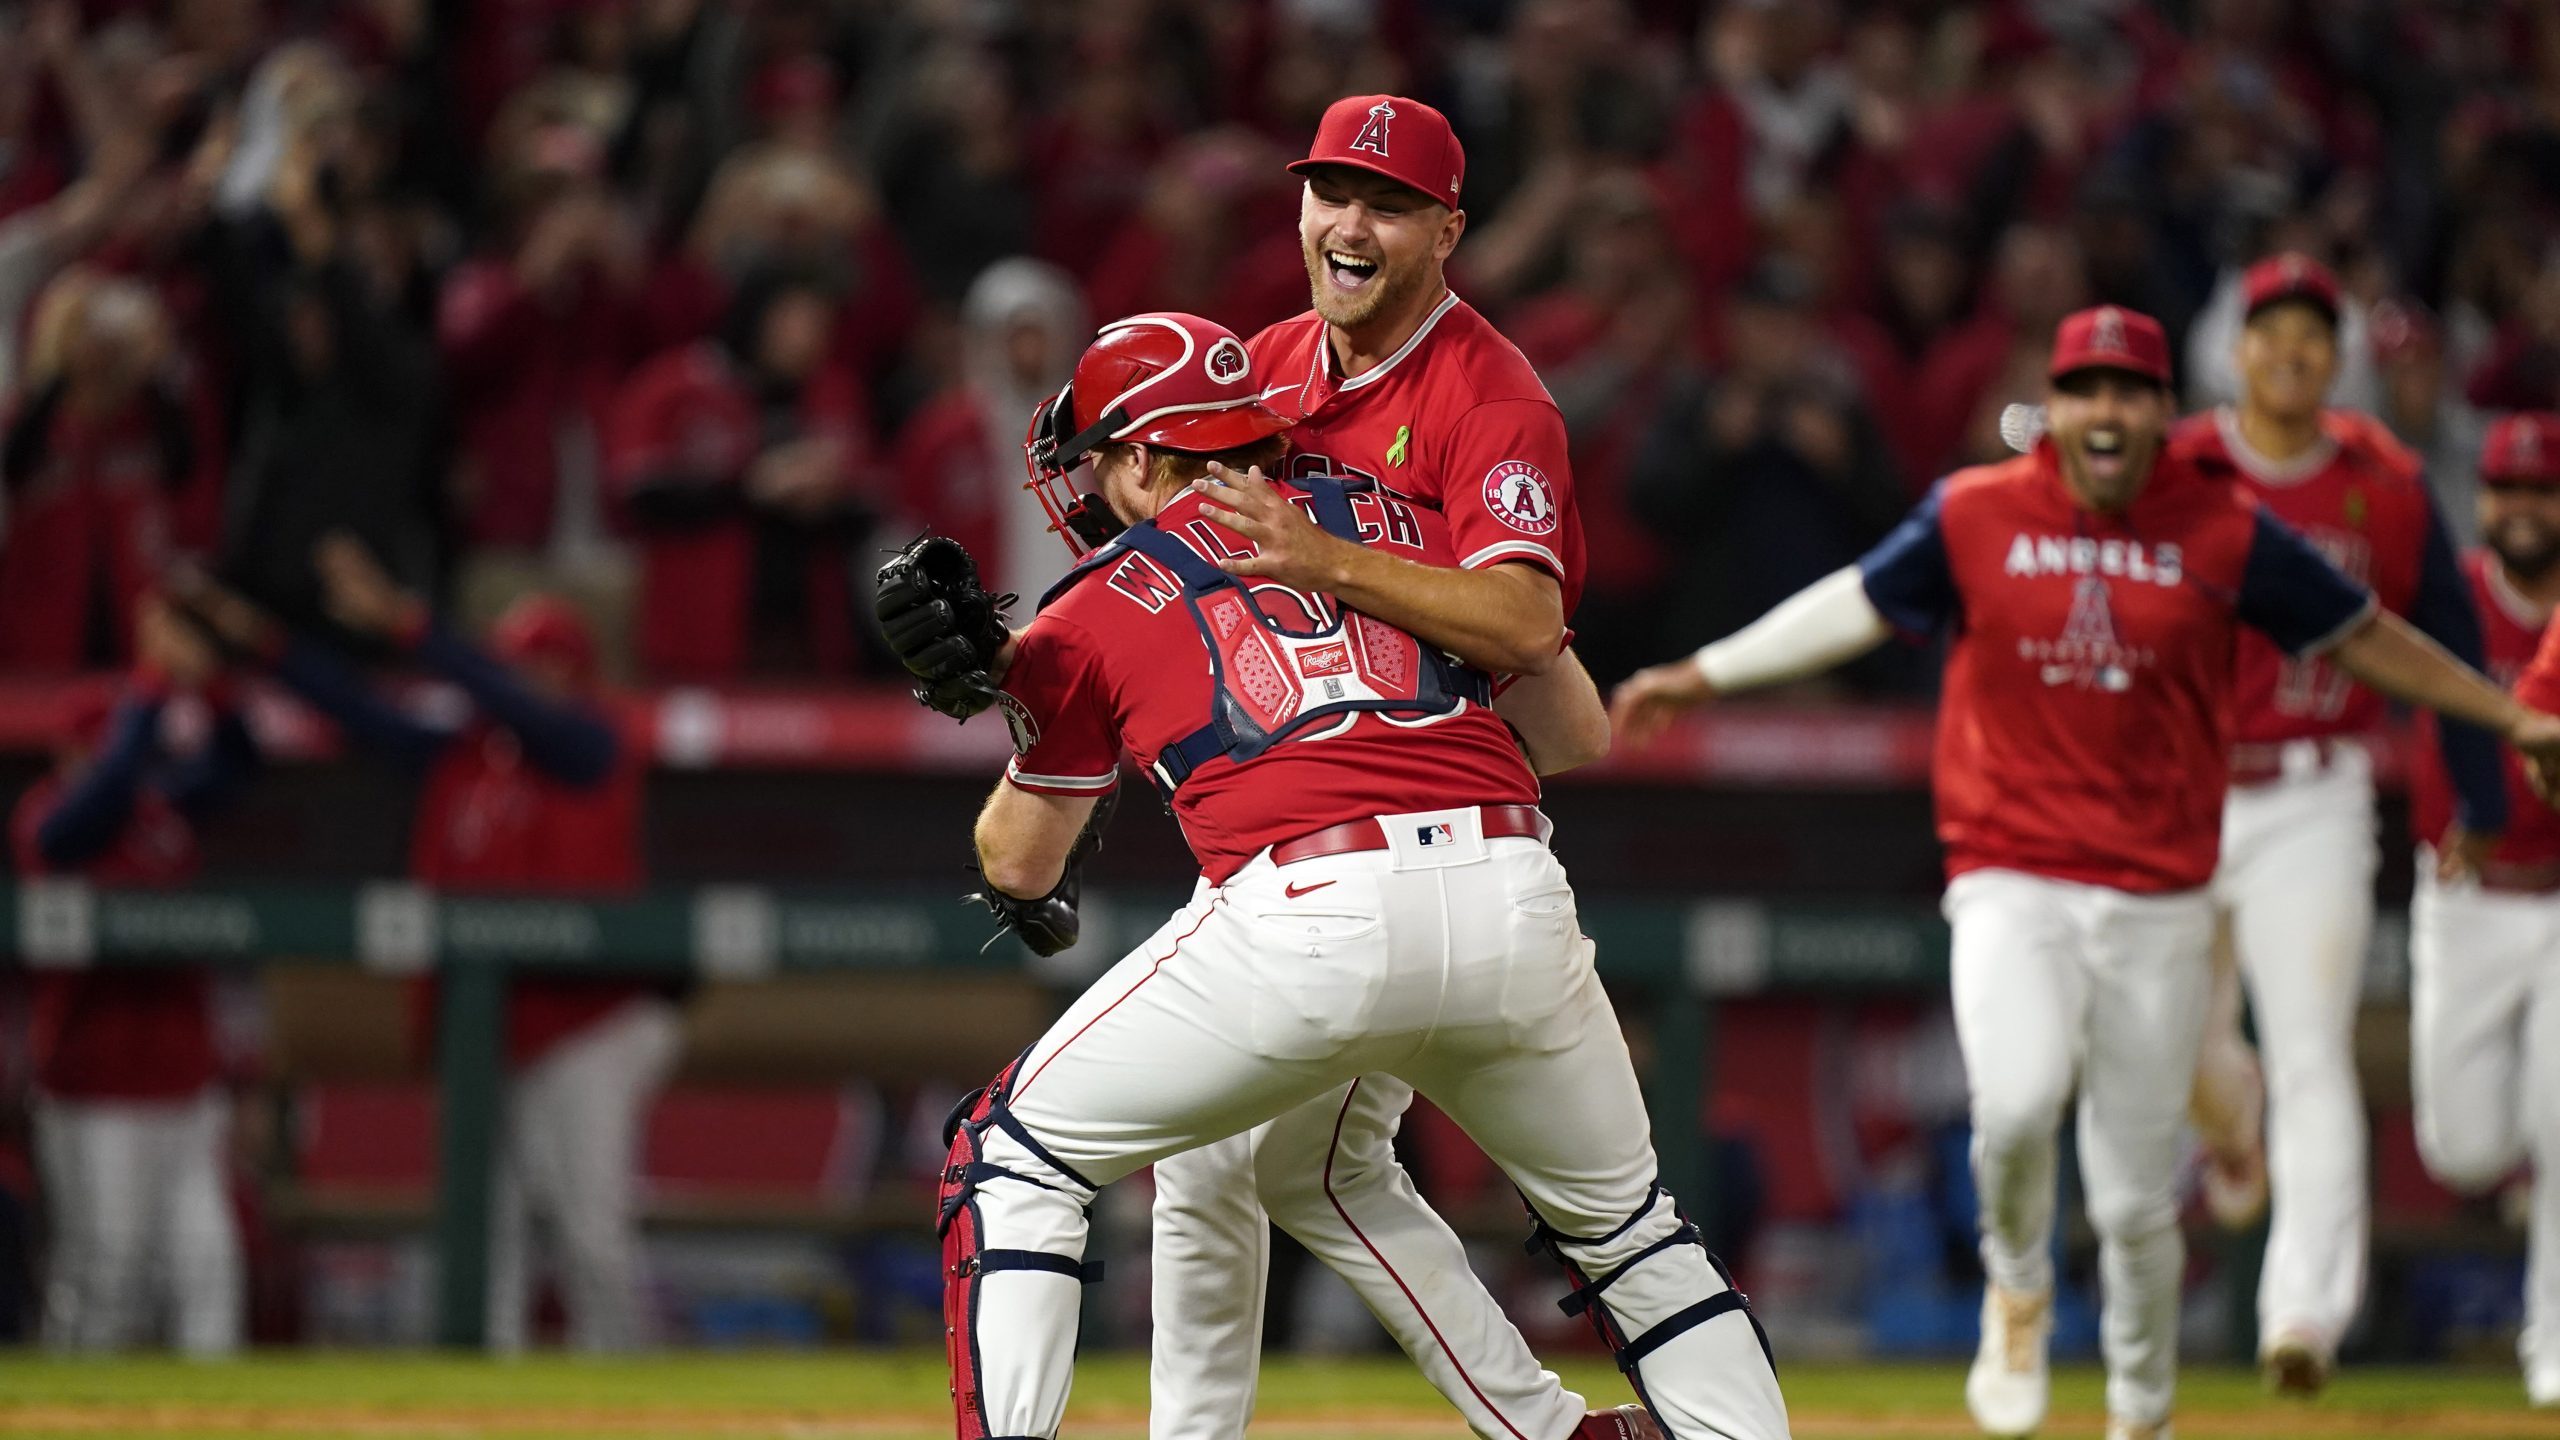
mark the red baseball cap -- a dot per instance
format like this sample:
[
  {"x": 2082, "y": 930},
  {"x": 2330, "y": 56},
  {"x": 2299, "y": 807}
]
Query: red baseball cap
[
  {"x": 2290, "y": 276},
  {"x": 1404, "y": 140},
  {"x": 2110, "y": 337},
  {"x": 2523, "y": 449}
]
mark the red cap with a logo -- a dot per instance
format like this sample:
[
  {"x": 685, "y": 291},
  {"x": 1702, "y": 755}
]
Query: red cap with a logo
[
  {"x": 2110, "y": 337},
  {"x": 2290, "y": 276},
  {"x": 1404, "y": 140},
  {"x": 2523, "y": 449}
]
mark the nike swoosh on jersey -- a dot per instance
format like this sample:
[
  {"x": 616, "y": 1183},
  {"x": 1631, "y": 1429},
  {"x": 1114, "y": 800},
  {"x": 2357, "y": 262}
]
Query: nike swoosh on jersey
[{"x": 1294, "y": 891}]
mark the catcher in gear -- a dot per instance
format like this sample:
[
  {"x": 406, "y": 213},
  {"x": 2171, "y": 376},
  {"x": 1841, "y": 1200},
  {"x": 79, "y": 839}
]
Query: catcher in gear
[{"x": 943, "y": 625}]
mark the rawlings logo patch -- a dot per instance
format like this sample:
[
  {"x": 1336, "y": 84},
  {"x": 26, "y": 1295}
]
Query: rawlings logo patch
[
  {"x": 1017, "y": 718},
  {"x": 1517, "y": 493},
  {"x": 1325, "y": 660}
]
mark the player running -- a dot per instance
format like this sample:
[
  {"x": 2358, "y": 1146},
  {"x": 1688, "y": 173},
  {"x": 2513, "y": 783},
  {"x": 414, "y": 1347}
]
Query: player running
[
  {"x": 1397, "y": 384},
  {"x": 2091, "y": 592},
  {"x": 2295, "y": 882},
  {"x": 2484, "y": 946},
  {"x": 1376, "y": 897}
]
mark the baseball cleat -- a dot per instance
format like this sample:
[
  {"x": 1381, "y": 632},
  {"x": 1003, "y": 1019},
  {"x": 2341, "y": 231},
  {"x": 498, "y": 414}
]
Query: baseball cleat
[
  {"x": 2542, "y": 1385},
  {"x": 2008, "y": 1386},
  {"x": 2119, "y": 1428},
  {"x": 2295, "y": 1364},
  {"x": 1627, "y": 1422}
]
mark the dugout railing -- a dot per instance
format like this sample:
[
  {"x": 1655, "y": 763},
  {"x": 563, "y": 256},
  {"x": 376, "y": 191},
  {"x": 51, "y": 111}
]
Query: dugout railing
[{"x": 1668, "y": 961}]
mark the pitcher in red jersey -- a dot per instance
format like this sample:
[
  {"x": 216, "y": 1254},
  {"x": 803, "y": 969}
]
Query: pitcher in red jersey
[
  {"x": 2484, "y": 942},
  {"x": 1376, "y": 896},
  {"x": 2091, "y": 593},
  {"x": 2295, "y": 882},
  {"x": 1399, "y": 386}
]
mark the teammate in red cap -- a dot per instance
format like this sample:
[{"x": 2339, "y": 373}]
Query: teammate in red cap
[
  {"x": 2090, "y": 592},
  {"x": 1399, "y": 384},
  {"x": 536, "y": 791},
  {"x": 2484, "y": 947},
  {"x": 1376, "y": 896},
  {"x": 131, "y": 1116},
  {"x": 2295, "y": 881}
]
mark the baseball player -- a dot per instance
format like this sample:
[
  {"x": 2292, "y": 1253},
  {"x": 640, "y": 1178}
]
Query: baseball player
[
  {"x": 2484, "y": 942},
  {"x": 2091, "y": 591},
  {"x": 1398, "y": 384},
  {"x": 2295, "y": 882},
  {"x": 1376, "y": 897},
  {"x": 131, "y": 1120}
]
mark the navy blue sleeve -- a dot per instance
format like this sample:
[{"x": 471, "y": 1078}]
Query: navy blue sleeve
[
  {"x": 570, "y": 743},
  {"x": 1906, "y": 574},
  {"x": 214, "y": 776},
  {"x": 2442, "y": 611},
  {"x": 2292, "y": 594},
  {"x": 94, "y": 810},
  {"x": 324, "y": 678}
]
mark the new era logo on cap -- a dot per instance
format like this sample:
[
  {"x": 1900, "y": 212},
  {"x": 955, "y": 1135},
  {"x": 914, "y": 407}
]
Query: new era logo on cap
[{"x": 1404, "y": 140}]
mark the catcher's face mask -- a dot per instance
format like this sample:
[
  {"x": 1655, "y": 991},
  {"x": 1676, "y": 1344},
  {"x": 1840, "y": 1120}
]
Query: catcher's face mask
[{"x": 1169, "y": 380}]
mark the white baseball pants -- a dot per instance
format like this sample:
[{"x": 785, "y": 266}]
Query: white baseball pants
[
  {"x": 1457, "y": 966},
  {"x": 2296, "y": 880},
  {"x": 570, "y": 1158},
  {"x": 1326, "y": 1172},
  {"x": 2484, "y": 1063},
  {"x": 2057, "y": 983},
  {"x": 142, "y": 1224}
]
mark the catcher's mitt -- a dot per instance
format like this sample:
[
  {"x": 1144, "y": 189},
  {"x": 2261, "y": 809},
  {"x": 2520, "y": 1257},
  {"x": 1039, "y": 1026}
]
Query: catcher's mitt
[
  {"x": 1049, "y": 923},
  {"x": 942, "y": 624}
]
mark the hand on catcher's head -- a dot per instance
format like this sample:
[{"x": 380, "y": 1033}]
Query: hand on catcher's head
[
  {"x": 1646, "y": 701},
  {"x": 1291, "y": 547}
]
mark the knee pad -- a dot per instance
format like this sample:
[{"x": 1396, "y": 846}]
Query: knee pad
[
  {"x": 966, "y": 1260},
  {"x": 1590, "y": 1296}
]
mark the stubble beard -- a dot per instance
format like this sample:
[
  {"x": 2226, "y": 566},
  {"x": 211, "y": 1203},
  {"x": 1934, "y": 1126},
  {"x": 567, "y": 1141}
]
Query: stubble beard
[{"x": 1393, "y": 287}]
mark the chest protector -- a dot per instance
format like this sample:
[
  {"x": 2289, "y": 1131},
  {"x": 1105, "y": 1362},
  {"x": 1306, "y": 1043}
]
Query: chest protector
[{"x": 1272, "y": 683}]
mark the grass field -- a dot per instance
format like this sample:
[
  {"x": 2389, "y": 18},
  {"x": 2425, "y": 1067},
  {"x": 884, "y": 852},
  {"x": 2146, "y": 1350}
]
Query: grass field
[{"x": 900, "y": 1397}]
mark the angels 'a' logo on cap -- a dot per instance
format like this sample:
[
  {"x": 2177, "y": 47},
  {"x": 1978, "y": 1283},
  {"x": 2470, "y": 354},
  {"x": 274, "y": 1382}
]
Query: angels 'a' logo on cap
[
  {"x": 1373, "y": 131},
  {"x": 1226, "y": 361},
  {"x": 2109, "y": 332}
]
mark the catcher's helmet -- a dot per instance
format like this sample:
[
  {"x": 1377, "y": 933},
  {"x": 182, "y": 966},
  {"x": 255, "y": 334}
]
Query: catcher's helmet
[{"x": 1173, "y": 381}]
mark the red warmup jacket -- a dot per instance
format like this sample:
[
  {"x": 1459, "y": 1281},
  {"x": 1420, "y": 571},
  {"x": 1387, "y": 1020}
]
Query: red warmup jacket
[
  {"x": 519, "y": 365},
  {"x": 94, "y": 510},
  {"x": 690, "y": 412}
]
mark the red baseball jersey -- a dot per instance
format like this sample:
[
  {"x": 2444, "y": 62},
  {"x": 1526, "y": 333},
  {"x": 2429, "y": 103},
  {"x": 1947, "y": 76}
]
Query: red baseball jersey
[
  {"x": 2361, "y": 501},
  {"x": 2084, "y": 728},
  {"x": 1456, "y": 419},
  {"x": 1117, "y": 662},
  {"x": 120, "y": 1034},
  {"x": 2512, "y": 630}
]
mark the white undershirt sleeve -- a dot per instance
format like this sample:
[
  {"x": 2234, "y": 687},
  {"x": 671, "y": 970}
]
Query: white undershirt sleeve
[{"x": 1827, "y": 623}]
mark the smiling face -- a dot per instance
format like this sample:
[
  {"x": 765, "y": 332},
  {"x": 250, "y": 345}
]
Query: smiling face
[
  {"x": 1373, "y": 248},
  {"x": 2288, "y": 359},
  {"x": 2107, "y": 426},
  {"x": 2521, "y": 522}
]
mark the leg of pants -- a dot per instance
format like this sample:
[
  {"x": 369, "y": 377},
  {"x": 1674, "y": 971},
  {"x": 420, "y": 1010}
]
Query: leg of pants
[
  {"x": 2149, "y": 976},
  {"x": 2540, "y": 1342},
  {"x": 1327, "y": 1174},
  {"x": 578, "y": 1150},
  {"x": 104, "y": 1210},
  {"x": 2473, "y": 956},
  {"x": 2300, "y": 886},
  {"x": 2021, "y": 1006},
  {"x": 510, "y": 1239},
  {"x": 203, "y": 1235},
  {"x": 1211, "y": 1278}
]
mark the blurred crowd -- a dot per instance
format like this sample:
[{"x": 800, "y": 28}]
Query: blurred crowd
[{"x": 688, "y": 309}]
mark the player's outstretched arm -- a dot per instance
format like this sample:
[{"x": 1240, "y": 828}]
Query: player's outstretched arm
[
  {"x": 1828, "y": 623},
  {"x": 2389, "y": 654},
  {"x": 1505, "y": 618},
  {"x": 1558, "y": 716}
]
